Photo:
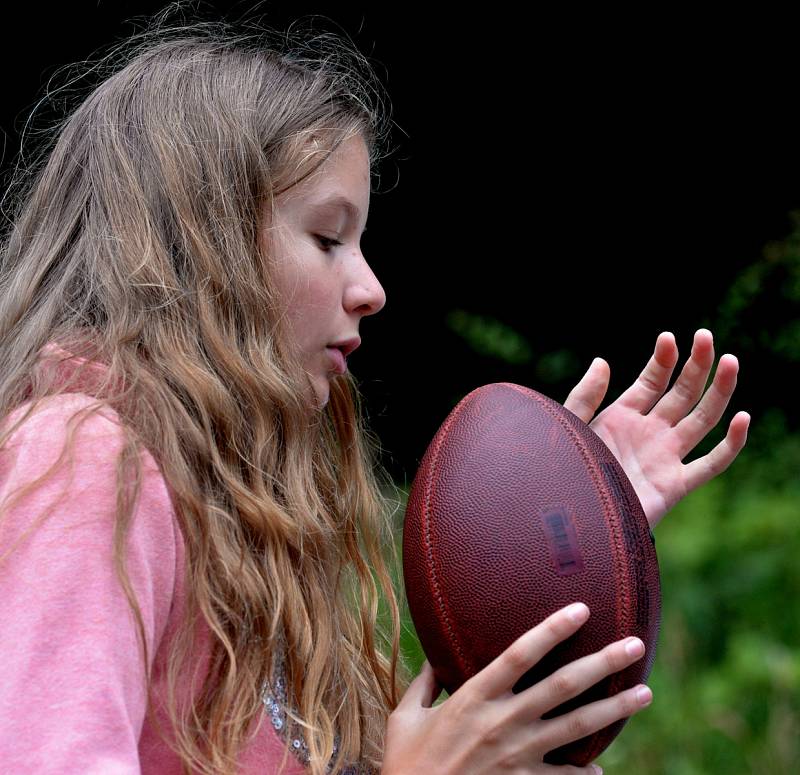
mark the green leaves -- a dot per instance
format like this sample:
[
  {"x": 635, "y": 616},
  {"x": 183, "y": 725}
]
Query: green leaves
[
  {"x": 488, "y": 336},
  {"x": 727, "y": 676},
  {"x": 761, "y": 309}
]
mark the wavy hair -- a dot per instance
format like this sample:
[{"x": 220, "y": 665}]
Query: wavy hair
[{"x": 133, "y": 241}]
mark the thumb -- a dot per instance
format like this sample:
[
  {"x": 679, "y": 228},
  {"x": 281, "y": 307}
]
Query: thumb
[
  {"x": 423, "y": 690},
  {"x": 589, "y": 393}
]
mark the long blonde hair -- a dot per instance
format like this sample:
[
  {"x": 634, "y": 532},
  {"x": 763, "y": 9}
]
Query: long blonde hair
[{"x": 134, "y": 242}]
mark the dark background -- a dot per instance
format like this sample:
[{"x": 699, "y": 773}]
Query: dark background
[{"x": 587, "y": 181}]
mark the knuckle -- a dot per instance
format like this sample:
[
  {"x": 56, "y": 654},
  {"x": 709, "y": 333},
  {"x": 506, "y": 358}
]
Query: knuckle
[
  {"x": 398, "y": 719},
  {"x": 578, "y": 726},
  {"x": 510, "y": 762},
  {"x": 626, "y": 704},
  {"x": 461, "y": 706},
  {"x": 516, "y": 657},
  {"x": 562, "y": 685},
  {"x": 582, "y": 406},
  {"x": 702, "y": 417},
  {"x": 614, "y": 659},
  {"x": 491, "y": 733},
  {"x": 714, "y": 465},
  {"x": 683, "y": 391},
  {"x": 649, "y": 382},
  {"x": 555, "y": 627}
]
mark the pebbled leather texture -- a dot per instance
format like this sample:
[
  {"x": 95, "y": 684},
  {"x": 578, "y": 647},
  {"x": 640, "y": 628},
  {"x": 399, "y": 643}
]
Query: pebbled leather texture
[{"x": 517, "y": 509}]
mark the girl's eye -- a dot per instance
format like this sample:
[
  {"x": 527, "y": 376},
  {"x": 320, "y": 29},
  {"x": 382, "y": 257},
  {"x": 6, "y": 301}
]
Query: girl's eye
[{"x": 326, "y": 243}]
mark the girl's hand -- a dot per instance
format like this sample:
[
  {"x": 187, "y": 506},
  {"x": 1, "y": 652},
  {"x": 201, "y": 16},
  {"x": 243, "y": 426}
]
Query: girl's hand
[
  {"x": 484, "y": 728},
  {"x": 650, "y": 433}
]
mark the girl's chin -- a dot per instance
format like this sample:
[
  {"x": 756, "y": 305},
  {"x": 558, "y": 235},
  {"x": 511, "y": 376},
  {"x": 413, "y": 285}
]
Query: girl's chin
[{"x": 322, "y": 391}]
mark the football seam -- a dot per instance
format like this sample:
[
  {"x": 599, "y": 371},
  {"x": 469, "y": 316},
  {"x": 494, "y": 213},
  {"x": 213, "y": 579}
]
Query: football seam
[
  {"x": 445, "y": 619},
  {"x": 599, "y": 483}
]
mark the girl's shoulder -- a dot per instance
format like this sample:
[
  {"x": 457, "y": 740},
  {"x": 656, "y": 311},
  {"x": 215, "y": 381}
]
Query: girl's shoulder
[
  {"x": 72, "y": 426},
  {"x": 72, "y": 441},
  {"x": 48, "y": 423},
  {"x": 61, "y": 478}
]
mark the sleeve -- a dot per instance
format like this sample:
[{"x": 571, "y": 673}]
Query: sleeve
[{"x": 72, "y": 676}]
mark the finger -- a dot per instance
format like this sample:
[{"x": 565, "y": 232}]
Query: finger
[
  {"x": 500, "y": 675},
  {"x": 423, "y": 690},
  {"x": 689, "y": 386},
  {"x": 575, "y": 678},
  {"x": 589, "y": 393},
  {"x": 699, "y": 471},
  {"x": 696, "y": 425},
  {"x": 588, "y": 719},
  {"x": 652, "y": 382}
]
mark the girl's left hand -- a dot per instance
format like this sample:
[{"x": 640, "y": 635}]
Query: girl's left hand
[{"x": 650, "y": 432}]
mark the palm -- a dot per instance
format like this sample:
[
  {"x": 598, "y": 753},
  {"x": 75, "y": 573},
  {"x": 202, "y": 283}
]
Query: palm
[
  {"x": 651, "y": 431},
  {"x": 647, "y": 453}
]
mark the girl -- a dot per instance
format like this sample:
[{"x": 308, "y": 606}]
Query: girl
[{"x": 192, "y": 527}]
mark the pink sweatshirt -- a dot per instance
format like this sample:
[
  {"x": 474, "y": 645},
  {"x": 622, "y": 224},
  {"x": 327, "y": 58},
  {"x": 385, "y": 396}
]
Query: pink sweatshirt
[{"x": 72, "y": 680}]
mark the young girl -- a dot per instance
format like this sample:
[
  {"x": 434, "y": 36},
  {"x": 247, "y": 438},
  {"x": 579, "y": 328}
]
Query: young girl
[{"x": 192, "y": 530}]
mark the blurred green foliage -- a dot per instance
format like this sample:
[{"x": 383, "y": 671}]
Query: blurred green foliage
[
  {"x": 727, "y": 678},
  {"x": 760, "y": 311},
  {"x": 487, "y": 336},
  {"x": 490, "y": 337}
]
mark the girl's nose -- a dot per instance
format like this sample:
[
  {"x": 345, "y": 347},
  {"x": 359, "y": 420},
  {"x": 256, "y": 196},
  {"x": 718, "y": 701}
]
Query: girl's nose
[{"x": 364, "y": 294}]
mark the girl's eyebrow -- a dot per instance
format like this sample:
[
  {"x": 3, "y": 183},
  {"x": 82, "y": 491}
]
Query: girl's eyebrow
[{"x": 339, "y": 202}]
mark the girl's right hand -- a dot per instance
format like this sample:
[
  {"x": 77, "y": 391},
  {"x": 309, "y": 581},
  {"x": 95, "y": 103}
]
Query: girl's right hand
[{"x": 485, "y": 728}]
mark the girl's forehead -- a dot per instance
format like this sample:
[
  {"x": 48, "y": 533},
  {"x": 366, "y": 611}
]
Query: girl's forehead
[
  {"x": 311, "y": 150},
  {"x": 336, "y": 180}
]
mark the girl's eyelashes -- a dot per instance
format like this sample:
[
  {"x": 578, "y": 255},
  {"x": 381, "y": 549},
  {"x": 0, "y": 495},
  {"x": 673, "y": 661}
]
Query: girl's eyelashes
[{"x": 326, "y": 243}]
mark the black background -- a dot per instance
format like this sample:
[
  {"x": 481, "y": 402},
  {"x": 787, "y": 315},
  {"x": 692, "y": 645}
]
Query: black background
[{"x": 589, "y": 179}]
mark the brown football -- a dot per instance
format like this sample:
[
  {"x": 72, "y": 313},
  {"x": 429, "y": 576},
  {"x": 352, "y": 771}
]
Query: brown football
[{"x": 517, "y": 509}]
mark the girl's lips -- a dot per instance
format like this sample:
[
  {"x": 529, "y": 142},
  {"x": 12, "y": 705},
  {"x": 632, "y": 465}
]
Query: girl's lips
[
  {"x": 338, "y": 359},
  {"x": 347, "y": 345}
]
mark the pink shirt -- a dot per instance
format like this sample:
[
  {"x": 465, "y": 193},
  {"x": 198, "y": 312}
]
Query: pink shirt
[{"x": 72, "y": 680}]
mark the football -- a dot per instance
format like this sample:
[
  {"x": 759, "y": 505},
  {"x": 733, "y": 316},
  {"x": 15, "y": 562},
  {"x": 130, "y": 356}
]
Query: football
[{"x": 516, "y": 510}]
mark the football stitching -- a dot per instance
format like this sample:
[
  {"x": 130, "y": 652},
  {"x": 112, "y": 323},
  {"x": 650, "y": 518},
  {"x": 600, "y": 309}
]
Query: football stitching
[
  {"x": 438, "y": 442},
  {"x": 614, "y": 681}
]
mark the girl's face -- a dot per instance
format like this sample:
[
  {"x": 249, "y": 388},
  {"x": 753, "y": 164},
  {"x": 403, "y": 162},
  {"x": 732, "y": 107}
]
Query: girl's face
[{"x": 323, "y": 279}]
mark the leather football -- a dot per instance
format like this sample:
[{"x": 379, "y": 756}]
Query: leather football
[{"x": 518, "y": 509}]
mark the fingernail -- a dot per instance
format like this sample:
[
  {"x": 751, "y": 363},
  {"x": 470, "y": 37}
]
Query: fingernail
[
  {"x": 644, "y": 696},
  {"x": 634, "y": 648},
  {"x": 577, "y": 612},
  {"x": 596, "y": 768}
]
